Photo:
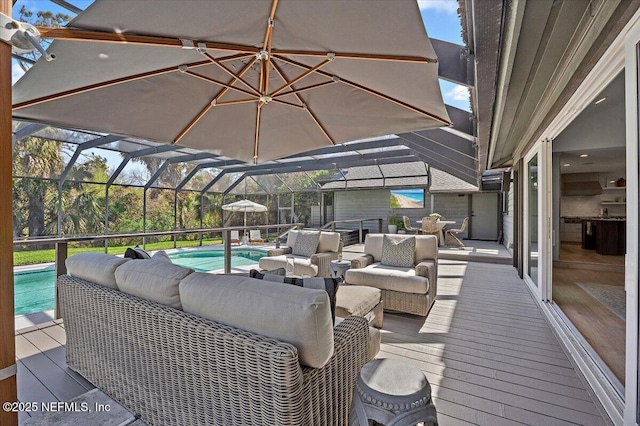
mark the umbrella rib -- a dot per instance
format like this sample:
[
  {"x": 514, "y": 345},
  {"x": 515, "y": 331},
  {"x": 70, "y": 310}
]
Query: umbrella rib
[
  {"x": 302, "y": 89},
  {"x": 124, "y": 38},
  {"x": 206, "y": 109},
  {"x": 231, "y": 73},
  {"x": 235, "y": 79},
  {"x": 237, "y": 101},
  {"x": 363, "y": 56},
  {"x": 218, "y": 82},
  {"x": 311, "y": 114},
  {"x": 281, "y": 102},
  {"x": 301, "y": 76},
  {"x": 103, "y": 84},
  {"x": 193, "y": 123},
  {"x": 372, "y": 92}
]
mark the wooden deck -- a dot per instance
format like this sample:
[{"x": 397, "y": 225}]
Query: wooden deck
[{"x": 487, "y": 351}]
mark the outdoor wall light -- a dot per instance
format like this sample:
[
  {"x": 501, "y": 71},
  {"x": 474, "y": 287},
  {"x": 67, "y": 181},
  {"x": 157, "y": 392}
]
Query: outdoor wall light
[
  {"x": 566, "y": 164},
  {"x": 584, "y": 155}
]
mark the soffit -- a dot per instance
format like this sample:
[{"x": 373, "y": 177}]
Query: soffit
[{"x": 555, "y": 46}]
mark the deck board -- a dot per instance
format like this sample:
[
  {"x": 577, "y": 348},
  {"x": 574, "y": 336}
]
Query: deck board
[
  {"x": 489, "y": 353},
  {"x": 485, "y": 347}
]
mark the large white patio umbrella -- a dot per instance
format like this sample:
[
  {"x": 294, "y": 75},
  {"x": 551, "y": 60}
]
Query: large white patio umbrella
[
  {"x": 254, "y": 80},
  {"x": 245, "y": 206}
]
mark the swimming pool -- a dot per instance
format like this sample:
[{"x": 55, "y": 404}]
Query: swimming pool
[{"x": 34, "y": 289}]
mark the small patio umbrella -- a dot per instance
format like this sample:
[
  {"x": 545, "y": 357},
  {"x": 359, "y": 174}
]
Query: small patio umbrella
[
  {"x": 253, "y": 80},
  {"x": 245, "y": 206}
]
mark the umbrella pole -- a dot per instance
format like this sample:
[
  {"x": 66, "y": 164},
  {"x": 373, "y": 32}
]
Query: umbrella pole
[{"x": 7, "y": 325}]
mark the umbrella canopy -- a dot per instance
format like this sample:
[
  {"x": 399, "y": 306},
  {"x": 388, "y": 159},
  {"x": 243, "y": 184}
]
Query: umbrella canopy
[
  {"x": 254, "y": 80},
  {"x": 245, "y": 206}
]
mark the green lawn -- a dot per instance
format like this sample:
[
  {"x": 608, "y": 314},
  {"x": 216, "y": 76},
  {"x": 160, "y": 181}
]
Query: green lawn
[{"x": 48, "y": 255}]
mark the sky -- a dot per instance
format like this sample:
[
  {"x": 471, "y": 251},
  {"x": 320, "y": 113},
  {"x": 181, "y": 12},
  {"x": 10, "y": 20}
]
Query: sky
[{"x": 439, "y": 16}]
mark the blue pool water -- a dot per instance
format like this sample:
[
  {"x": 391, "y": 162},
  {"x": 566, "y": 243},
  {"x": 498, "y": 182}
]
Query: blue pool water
[{"x": 34, "y": 290}]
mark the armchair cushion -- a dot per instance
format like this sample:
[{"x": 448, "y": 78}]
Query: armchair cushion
[
  {"x": 306, "y": 243},
  {"x": 329, "y": 242},
  {"x": 398, "y": 252},
  {"x": 279, "y": 251},
  {"x": 362, "y": 261},
  {"x": 301, "y": 265},
  {"x": 392, "y": 278}
]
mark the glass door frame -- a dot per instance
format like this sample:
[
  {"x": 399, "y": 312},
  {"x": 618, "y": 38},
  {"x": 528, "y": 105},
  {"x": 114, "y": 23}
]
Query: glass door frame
[
  {"x": 632, "y": 109},
  {"x": 541, "y": 289}
]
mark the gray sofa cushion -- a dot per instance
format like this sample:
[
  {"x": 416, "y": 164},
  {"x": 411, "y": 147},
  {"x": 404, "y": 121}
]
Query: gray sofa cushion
[
  {"x": 330, "y": 285},
  {"x": 99, "y": 268},
  {"x": 398, "y": 252},
  {"x": 291, "y": 314},
  {"x": 154, "y": 280}
]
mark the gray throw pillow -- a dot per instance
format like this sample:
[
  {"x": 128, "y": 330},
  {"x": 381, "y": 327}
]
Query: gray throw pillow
[
  {"x": 399, "y": 253},
  {"x": 306, "y": 243}
]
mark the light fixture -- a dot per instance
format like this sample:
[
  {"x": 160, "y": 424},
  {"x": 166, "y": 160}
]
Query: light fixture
[
  {"x": 599, "y": 101},
  {"x": 566, "y": 164},
  {"x": 584, "y": 155},
  {"x": 612, "y": 181}
]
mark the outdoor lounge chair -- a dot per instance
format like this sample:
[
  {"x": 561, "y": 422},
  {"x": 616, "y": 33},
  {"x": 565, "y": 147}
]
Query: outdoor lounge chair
[
  {"x": 255, "y": 237},
  {"x": 450, "y": 240},
  {"x": 407, "y": 225},
  {"x": 235, "y": 237}
]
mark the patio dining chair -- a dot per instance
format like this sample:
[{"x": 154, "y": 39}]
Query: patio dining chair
[
  {"x": 429, "y": 227},
  {"x": 407, "y": 225},
  {"x": 255, "y": 237},
  {"x": 450, "y": 240}
]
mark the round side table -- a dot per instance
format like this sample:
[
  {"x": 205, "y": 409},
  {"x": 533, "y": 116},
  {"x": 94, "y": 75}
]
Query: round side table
[
  {"x": 337, "y": 268},
  {"x": 392, "y": 392}
]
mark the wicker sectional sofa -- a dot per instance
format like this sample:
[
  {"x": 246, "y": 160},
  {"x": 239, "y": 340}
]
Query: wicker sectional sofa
[
  {"x": 179, "y": 347},
  {"x": 404, "y": 289}
]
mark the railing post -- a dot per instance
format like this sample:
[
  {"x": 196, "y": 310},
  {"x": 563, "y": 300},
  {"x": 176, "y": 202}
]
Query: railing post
[
  {"x": 227, "y": 251},
  {"x": 380, "y": 226},
  {"x": 333, "y": 226},
  {"x": 61, "y": 269},
  {"x": 360, "y": 233}
]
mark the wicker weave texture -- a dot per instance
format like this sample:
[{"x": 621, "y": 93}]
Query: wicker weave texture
[
  {"x": 173, "y": 368},
  {"x": 417, "y": 304},
  {"x": 323, "y": 261}
]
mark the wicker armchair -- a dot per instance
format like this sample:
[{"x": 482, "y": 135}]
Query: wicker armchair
[
  {"x": 170, "y": 367},
  {"x": 412, "y": 290},
  {"x": 329, "y": 248}
]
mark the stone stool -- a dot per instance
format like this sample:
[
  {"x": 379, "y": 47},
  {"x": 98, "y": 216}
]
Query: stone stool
[{"x": 392, "y": 392}]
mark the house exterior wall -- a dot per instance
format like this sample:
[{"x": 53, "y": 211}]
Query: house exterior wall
[
  {"x": 376, "y": 204},
  {"x": 507, "y": 219}
]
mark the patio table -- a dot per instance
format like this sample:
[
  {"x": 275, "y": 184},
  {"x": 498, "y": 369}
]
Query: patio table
[{"x": 441, "y": 224}]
